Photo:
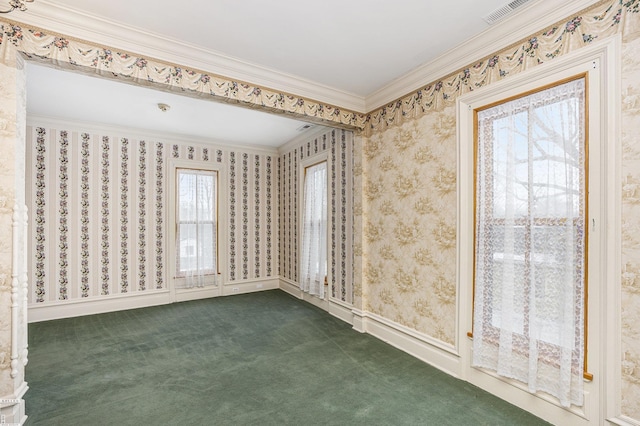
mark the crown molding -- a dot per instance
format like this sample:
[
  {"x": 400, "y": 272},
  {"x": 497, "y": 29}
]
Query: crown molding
[
  {"x": 94, "y": 29},
  {"x": 531, "y": 19}
]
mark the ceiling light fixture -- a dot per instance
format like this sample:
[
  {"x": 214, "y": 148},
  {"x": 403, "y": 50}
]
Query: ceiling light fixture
[
  {"x": 163, "y": 107},
  {"x": 16, "y": 4}
]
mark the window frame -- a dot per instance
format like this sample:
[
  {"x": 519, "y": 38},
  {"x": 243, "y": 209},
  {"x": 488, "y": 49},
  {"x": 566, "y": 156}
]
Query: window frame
[
  {"x": 177, "y": 284},
  {"x": 207, "y": 172},
  {"x": 521, "y": 344},
  {"x": 304, "y": 164},
  {"x": 601, "y": 61}
]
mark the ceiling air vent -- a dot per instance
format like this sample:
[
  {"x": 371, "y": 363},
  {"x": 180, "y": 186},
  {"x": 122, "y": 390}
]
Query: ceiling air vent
[
  {"x": 304, "y": 127},
  {"x": 504, "y": 11}
]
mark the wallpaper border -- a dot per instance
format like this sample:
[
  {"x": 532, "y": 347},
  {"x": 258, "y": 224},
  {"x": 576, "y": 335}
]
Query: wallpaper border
[{"x": 78, "y": 55}]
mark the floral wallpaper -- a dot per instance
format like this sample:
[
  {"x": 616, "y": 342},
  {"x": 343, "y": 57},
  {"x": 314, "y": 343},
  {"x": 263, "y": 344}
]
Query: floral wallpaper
[
  {"x": 409, "y": 188},
  {"x": 631, "y": 217},
  {"x": 401, "y": 170},
  {"x": 410, "y": 222},
  {"x": 339, "y": 146},
  {"x": 99, "y": 218}
]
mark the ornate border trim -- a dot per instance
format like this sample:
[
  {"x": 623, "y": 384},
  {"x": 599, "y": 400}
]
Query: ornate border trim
[
  {"x": 602, "y": 19},
  {"x": 79, "y": 55}
]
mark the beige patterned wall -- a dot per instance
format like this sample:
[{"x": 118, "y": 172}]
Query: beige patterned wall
[
  {"x": 631, "y": 219},
  {"x": 409, "y": 193},
  {"x": 410, "y": 224}
]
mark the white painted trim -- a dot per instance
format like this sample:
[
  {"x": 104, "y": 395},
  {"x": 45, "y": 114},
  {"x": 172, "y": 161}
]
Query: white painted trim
[
  {"x": 341, "y": 311},
  {"x": 89, "y": 306},
  {"x": 12, "y": 411},
  {"x": 623, "y": 421},
  {"x": 293, "y": 289},
  {"x": 540, "y": 404},
  {"x": 185, "y": 294},
  {"x": 290, "y": 287},
  {"x": 358, "y": 320},
  {"x": 16, "y": 262},
  {"x": 249, "y": 286},
  {"x": 315, "y": 301},
  {"x": 432, "y": 351},
  {"x": 222, "y": 190},
  {"x": 64, "y": 20},
  {"x": 253, "y": 280},
  {"x": 528, "y": 20},
  {"x": 334, "y": 307},
  {"x": 164, "y": 137},
  {"x": 134, "y": 300},
  {"x": 611, "y": 304}
]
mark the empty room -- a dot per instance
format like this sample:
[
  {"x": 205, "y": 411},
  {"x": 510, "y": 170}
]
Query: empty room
[{"x": 332, "y": 213}]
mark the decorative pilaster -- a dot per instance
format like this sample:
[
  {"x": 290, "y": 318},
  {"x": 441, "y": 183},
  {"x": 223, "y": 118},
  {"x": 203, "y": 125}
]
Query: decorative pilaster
[
  {"x": 13, "y": 270},
  {"x": 24, "y": 281},
  {"x": 15, "y": 290}
]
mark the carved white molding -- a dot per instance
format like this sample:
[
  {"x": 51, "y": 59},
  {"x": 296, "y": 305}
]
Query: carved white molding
[
  {"x": 24, "y": 281},
  {"x": 15, "y": 288}
]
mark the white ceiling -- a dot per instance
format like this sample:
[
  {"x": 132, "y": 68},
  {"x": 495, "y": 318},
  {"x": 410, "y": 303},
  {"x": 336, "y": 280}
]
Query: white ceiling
[
  {"x": 353, "y": 45},
  {"x": 349, "y": 48},
  {"x": 87, "y": 99}
]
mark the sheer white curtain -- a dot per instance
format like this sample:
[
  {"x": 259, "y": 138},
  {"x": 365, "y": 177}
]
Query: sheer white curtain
[
  {"x": 313, "y": 268},
  {"x": 197, "y": 227},
  {"x": 530, "y": 241}
]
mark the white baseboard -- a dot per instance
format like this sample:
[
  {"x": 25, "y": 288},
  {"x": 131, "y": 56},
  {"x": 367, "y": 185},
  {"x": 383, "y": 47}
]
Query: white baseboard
[
  {"x": 250, "y": 286},
  {"x": 186, "y": 294},
  {"x": 434, "y": 352},
  {"x": 358, "y": 320},
  {"x": 290, "y": 287},
  {"x": 316, "y": 301},
  {"x": 336, "y": 308},
  {"x": 624, "y": 421},
  {"x": 539, "y": 404},
  {"x": 341, "y": 310},
  {"x": 120, "y": 302},
  {"x": 90, "y": 306},
  {"x": 425, "y": 348}
]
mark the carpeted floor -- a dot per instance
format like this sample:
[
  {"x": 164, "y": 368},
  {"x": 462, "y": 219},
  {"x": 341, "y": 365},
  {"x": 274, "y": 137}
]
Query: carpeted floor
[{"x": 256, "y": 359}]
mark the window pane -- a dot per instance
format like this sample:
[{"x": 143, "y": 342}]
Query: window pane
[
  {"x": 196, "y": 216},
  {"x": 530, "y": 233},
  {"x": 313, "y": 268}
]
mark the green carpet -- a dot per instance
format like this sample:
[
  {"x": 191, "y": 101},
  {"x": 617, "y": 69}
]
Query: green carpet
[{"x": 256, "y": 359}]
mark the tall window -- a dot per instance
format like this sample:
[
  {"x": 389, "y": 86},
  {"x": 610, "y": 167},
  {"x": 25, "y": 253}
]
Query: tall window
[
  {"x": 313, "y": 268},
  {"x": 530, "y": 240},
  {"x": 196, "y": 236}
]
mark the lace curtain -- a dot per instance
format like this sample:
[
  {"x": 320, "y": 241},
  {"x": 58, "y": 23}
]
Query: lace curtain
[
  {"x": 313, "y": 268},
  {"x": 197, "y": 228},
  {"x": 530, "y": 241}
]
